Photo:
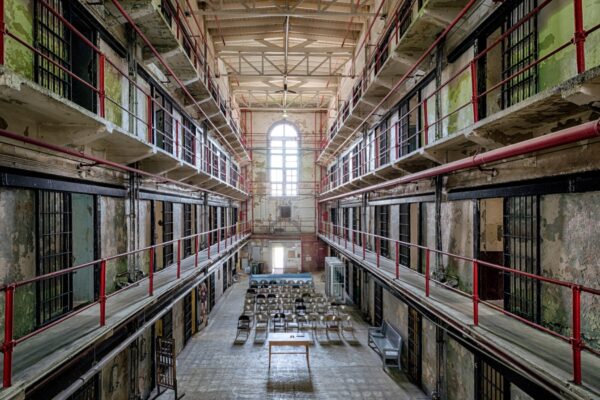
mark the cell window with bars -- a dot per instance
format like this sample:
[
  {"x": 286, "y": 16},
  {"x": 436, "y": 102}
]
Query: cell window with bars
[
  {"x": 189, "y": 141},
  {"x": 54, "y": 253},
  {"x": 490, "y": 383},
  {"x": 356, "y": 225},
  {"x": 519, "y": 52},
  {"x": 382, "y": 218},
  {"x": 414, "y": 346}
]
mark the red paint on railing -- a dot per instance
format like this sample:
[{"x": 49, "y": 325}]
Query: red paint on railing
[
  {"x": 579, "y": 36},
  {"x": 151, "y": 273},
  {"x": 576, "y": 334}
]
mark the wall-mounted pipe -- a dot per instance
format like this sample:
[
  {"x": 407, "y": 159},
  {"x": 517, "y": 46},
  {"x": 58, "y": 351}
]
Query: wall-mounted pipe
[{"x": 584, "y": 131}]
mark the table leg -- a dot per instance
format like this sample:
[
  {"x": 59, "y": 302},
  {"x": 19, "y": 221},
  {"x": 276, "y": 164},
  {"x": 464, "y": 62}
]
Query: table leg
[{"x": 307, "y": 357}]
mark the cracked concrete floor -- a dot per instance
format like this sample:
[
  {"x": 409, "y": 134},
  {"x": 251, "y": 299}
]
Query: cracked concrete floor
[{"x": 211, "y": 366}]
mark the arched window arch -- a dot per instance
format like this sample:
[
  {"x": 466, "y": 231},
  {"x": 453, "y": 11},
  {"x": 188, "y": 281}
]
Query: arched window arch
[{"x": 283, "y": 159}]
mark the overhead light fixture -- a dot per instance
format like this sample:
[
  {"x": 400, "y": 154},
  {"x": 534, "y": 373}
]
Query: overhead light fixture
[{"x": 284, "y": 114}]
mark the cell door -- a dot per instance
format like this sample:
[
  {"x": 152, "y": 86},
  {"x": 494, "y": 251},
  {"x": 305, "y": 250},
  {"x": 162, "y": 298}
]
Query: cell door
[
  {"x": 382, "y": 224},
  {"x": 414, "y": 346},
  {"x": 187, "y": 317},
  {"x": 490, "y": 384},
  {"x": 54, "y": 296},
  {"x": 188, "y": 230},
  {"x": 211, "y": 292},
  {"x": 522, "y": 252},
  {"x": 356, "y": 289},
  {"x": 404, "y": 234},
  {"x": 378, "y": 296},
  {"x": 167, "y": 233}
]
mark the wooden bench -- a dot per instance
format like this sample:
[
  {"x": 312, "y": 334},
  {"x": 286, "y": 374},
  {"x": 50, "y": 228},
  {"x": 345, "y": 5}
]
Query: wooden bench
[{"x": 387, "y": 342}]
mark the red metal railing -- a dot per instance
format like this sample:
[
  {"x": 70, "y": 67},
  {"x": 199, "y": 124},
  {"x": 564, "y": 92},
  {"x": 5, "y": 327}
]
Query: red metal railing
[
  {"x": 236, "y": 233},
  {"x": 332, "y": 232},
  {"x": 421, "y": 136},
  {"x": 104, "y": 62}
]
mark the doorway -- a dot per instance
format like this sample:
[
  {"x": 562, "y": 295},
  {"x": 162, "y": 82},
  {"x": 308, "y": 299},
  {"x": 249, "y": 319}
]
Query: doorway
[
  {"x": 491, "y": 249},
  {"x": 277, "y": 259}
]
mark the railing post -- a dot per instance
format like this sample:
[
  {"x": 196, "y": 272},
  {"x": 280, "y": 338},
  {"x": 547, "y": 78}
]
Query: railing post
[
  {"x": 475, "y": 293},
  {"x": 102, "y": 297},
  {"x": 427, "y": 273},
  {"x": 576, "y": 339},
  {"x": 178, "y": 258},
  {"x": 9, "y": 344},
  {"x": 151, "y": 273},
  {"x": 102, "y": 93},
  {"x": 474, "y": 96},
  {"x": 579, "y": 36},
  {"x": 378, "y": 249},
  {"x": 196, "y": 251},
  {"x": 397, "y": 260}
]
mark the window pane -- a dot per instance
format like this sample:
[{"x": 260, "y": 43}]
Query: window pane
[
  {"x": 276, "y": 175},
  {"x": 291, "y": 144},
  {"x": 290, "y": 189},
  {"x": 277, "y": 189},
  {"x": 291, "y": 175},
  {"x": 291, "y": 161},
  {"x": 291, "y": 151},
  {"x": 276, "y": 143},
  {"x": 277, "y": 161}
]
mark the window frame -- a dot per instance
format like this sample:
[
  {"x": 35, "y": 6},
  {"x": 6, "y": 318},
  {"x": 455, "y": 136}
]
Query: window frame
[{"x": 284, "y": 188}]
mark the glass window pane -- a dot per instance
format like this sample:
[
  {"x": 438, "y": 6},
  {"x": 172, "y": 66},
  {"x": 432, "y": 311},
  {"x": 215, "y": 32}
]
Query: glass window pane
[
  {"x": 276, "y": 143},
  {"x": 291, "y": 162},
  {"x": 291, "y": 151},
  {"x": 276, "y": 161},
  {"x": 291, "y": 144},
  {"x": 290, "y": 189},
  {"x": 291, "y": 175},
  {"x": 276, "y": 175},
  {"x": 277, "y": 189}
]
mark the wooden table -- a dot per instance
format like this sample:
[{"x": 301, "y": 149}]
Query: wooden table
[{"x": 291, "y": 340}]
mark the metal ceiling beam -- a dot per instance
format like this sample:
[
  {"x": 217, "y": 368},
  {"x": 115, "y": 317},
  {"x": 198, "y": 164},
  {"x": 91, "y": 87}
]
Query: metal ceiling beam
[{"x": 258, "y": 13}]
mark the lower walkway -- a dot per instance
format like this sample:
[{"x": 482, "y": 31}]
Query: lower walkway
[{"x": 211, "y": 366}]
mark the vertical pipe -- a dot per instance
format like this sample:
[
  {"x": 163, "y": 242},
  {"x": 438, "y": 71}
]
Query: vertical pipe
[
  {"x": 2, "y": 30},
  {"x": 8, "y": 345},
  {"x": 397, "y": 260},
  {"x": 427, "y": 272},
  {"x": 364, "y": 245},
  {"x": 151, "y": 273},
  {"x": 378, "y": 245},
  {"x": 474, "y": 96},
  {"x": 196, "y": 251},
  {"x": 102, "y": 298},
  {"x": 208, "y": 242},
  {"x": 178, "y": 258},
  {"x": 579, "y": 36},
  {"x": 576, "y": 339},
  {"x": 102, "y": 93},
  {"x": 475, "y": 293},
  {"x": 149, "y": 119}
]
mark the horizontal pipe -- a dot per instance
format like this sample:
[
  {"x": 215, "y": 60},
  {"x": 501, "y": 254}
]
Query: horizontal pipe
[{"x": 584, "y": 131}]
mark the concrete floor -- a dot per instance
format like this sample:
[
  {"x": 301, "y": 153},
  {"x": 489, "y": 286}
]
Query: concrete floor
[{"x": 211, "y": 366}]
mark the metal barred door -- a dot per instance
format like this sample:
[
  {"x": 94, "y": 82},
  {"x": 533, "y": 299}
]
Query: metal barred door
[{"x": 521, "y": 252}]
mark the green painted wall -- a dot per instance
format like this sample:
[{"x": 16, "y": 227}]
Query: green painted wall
[
  {"x": 113, "y": 88},
  {"x": 591, "y": 18},
  {"x": 19, "y": 20},
  {"x": 455, "y": 95},
  {"x": 113, "y": 239}
]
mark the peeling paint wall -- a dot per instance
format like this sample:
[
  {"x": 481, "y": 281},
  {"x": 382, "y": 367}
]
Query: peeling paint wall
[
  {"x": 459, "y": 370},
  {"x": 113, "y": 236},
  {"x": 569, "y": 233},
  {"x": 115, "y": 378},
  {"x": 429, "y": 356},
  {"x": 457, "y": 238},
  {"x": 455, "y": 95},
  {"x": 18, "y": 253}
]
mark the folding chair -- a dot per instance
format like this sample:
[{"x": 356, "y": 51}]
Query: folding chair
[
  {"x": 243, "y": 328},
  {"x": 261, "y": 328}
]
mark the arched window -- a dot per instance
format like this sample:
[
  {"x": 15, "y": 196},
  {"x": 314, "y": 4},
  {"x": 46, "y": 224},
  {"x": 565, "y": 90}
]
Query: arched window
[{"x": 283, "y": 159}]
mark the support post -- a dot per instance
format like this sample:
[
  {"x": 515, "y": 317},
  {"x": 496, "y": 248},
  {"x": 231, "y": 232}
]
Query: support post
[
  {"x": 178, "y": 258},
  {"x": 397, "y": 260},
  {"x": 9, "y": 344},
  {"x": 475, "y": 293},
  {"x": 427, "y": 265},
  {"x": 151, "y": 273},
  {"x": 576, "y": 339},
  {"x": 102, "y": 93},
  {"x": 579, "y": 36},
  {"x": 102, "y": 297}
]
